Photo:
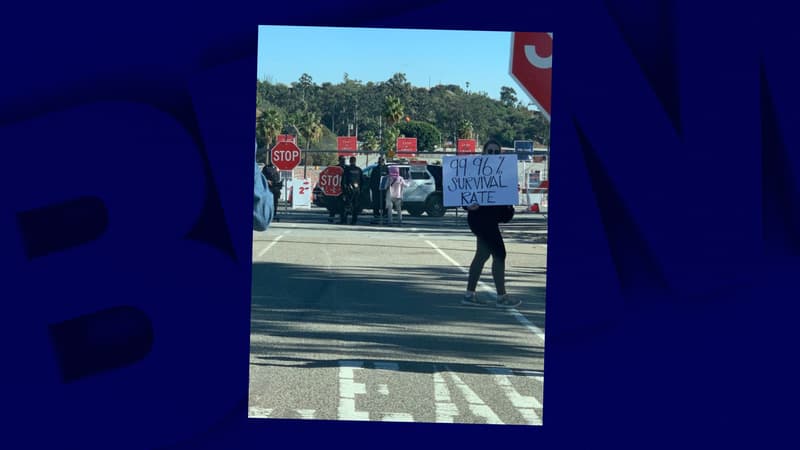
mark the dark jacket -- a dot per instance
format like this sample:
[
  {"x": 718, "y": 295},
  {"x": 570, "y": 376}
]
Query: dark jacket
[
  {"x": 353, "y": 176},
  {"x": 489, "y": 215},
  {"x": 376, "y": 174},
  {"x": 272, "y": 174}
]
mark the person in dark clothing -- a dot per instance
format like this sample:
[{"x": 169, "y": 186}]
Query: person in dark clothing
[
  {"x": 352, "y": 180},
  {"x": 263, "y": 207},
  {"x": 336, "y": 204},
  {"x": 484, "y": 223},
  {"x": 273, "y": 177},
  {"x": 378, "y": 196}
]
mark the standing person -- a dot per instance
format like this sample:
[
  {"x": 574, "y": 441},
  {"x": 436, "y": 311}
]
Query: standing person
[
  {"x": 273, "y": 177},
  {"x": 378, "y": 196},
  {"x": 263, "y": 208},
  {"x": 352, "y": 180},
  {"x": 484, "y": 223},
  {"x": 336, "y": 204},
  {"x": 394, "y": 194}
]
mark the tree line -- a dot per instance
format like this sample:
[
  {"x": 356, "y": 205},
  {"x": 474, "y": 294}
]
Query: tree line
[{"x": 379, "y": 113}]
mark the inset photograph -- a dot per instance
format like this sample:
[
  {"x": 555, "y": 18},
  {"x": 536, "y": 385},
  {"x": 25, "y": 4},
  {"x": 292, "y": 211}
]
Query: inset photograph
[{"x": 403, "y": 276}]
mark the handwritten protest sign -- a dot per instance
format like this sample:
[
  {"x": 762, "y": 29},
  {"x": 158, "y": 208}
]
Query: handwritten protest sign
[{"x": 482, "y": 179}]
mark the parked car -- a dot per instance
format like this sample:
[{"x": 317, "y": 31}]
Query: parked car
[{"x": 425, "y": 194}]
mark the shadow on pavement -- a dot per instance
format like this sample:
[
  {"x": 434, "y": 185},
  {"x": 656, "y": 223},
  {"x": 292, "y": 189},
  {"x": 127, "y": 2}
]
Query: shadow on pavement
[
  {"x": 370, "y": 312},
  {"x": 422, "y": 367}
]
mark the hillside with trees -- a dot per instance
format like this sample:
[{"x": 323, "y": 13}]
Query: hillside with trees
[{"x": 380, "y": 112}]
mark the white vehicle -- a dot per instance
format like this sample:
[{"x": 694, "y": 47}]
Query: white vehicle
[{"x": 425, "y": 192}]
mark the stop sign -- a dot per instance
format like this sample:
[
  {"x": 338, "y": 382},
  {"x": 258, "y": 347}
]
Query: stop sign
[
  {"x": 330, "y": 181},
  {"x": 532, "y": 66},
  {"x": 286, "y": 155}
]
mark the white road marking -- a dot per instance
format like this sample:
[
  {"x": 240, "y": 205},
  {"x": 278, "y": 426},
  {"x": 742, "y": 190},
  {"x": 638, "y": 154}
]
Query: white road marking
[
  {"x": 275, "y": 241},
  {"x": 527, "y": 323},
  {"x": 446, "y": 410},
  {"x": 397, "y": 417},
  {"x": 523, "y": 403},
  {"x": 513, "y": 311},
  {"x": 348, "y": 390},
  {"x": 306, "y": 413},
  {"x": 383, "y": 389},
  {"x": 446, "y": 256},
  {"x": 260, "y": 413},
  {"x": 476, "y": 405}
]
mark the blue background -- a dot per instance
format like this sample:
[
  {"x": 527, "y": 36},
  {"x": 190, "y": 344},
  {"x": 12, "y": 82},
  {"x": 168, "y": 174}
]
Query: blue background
[{"x": 673, "y": 248}]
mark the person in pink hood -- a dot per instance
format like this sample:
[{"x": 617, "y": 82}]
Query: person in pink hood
[{"x": 394, "y": 195}]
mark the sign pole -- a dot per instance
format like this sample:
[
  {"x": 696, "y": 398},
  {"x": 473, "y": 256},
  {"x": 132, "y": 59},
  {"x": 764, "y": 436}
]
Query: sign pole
[{"x": 305, "y": 163}]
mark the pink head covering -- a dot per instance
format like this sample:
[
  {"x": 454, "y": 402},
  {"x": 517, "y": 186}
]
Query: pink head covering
[{"x": 394, "y": 171}]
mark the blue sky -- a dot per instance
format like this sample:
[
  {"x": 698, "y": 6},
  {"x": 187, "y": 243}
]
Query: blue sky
[{"x": 373, "y": 54}]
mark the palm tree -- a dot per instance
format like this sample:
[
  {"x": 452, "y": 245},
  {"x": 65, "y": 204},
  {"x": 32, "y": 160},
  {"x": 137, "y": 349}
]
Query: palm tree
[
  {"x": 269, "y": 125},
  {"x": 392, "y": 110},
  {"x": 390, "y": 141},
  {"x": 370, "y": 141},
  {"x": 392, "y": 113},
  {"x": 465, "y": 130},
  {"x": 307, "y": 124}
]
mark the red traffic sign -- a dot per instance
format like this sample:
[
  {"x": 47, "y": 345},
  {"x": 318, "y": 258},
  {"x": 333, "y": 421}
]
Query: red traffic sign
[
  {"x": 285, "y": 155},
  {"x": 330, "y": 181},
  {"x": 532, "y": 66},
  {"x": 347, "y": 145},
  {"x": 287, "y": 138},
  {"x": 406, "y": 145},
  {"x": 466, "y": 146}
]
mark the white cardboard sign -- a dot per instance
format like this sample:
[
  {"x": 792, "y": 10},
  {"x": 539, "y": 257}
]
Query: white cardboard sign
[
  {"x": 480, "y": 179},
  {"x": 301, "y": 193}
]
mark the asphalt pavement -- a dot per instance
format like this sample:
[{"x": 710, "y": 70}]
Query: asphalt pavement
[{"x": 364, "y": 322}]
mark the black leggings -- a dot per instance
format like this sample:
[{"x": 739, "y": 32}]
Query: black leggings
[{"x": 490, "y": 243}]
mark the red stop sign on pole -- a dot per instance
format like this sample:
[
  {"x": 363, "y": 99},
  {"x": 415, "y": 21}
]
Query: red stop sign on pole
[
  {"x": 532, "y": 66},
  {"x": 285, "y": 155},
  {"x": 330, "y": 181}
]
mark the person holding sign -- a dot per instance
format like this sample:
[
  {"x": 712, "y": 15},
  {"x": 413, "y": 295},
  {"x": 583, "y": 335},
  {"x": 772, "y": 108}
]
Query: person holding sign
[
  {"x": 394, "y": 193},
  {"x": 484, "y": 223}
]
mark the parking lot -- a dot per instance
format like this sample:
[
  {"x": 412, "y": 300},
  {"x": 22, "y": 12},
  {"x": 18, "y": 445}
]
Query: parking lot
[{"x": 364, "y": 322}]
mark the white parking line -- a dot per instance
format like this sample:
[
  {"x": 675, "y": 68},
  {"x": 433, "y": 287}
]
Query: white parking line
[
  {"x": 446, "y": 410},
  {"x": 259, "y": 413},
  {"x": 523, "y": 403},
  {"x": 306, "y": 413},
  {"x": 527, "y": 323},
  {"x": 476, "y": 405},
  {"x": 397, "y": 417},
  {"x": 348, "y": 390},
  {"x": 275, "y": 241},
  {"x": 513, "y": 311}
]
